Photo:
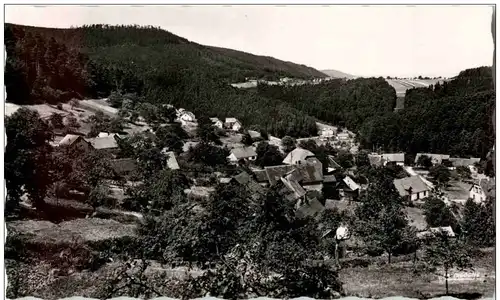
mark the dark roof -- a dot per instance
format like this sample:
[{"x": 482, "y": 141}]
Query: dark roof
[
  {"x": 329, "y": 178},
  {"x": 245, "y": 179},
  {"x": 260, "y": 175},
  {"x": 332, "y": 163},
  {"x": 123, "y": 165},
  {"x": 311, "y": 173},
  {"x": 274, "y": 173},
  {"x": 291, "y": 189},
  {"x": 310, "y": 209}
]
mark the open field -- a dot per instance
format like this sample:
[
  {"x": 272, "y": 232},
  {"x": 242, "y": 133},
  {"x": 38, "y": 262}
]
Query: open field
[
  {"x": 398, "y": 279},
  {"x": 401, "y": 85}
]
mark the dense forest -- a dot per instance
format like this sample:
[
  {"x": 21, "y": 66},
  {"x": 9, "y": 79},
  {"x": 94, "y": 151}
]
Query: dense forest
[
  {"x": 453, "y": 118},
  {"x": 54, "y": 65},
  {"x": 345, "y": 103}
]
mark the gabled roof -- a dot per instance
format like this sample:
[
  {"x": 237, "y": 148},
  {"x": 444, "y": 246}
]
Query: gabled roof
[
  {"x": 394, "y": 157},
  {"x": 297, "y": 155},
  {"x": 311, "y": 172},
  {"x": 436, "y": 158},
  {"x": 69, "y": 139},
  {"x": 245, "y": 179},
  {"x": 416, "y": 184},
  {"x": 292, "y": 189},
  {"x": 231, "y": 120},
  {"x": 329, "y": 178},
  {"x": 260, "y": 175},
  {"x": 243, "y": 152},
  {"x": 172, "y": 161},
  {"x": 375, "y": 159},
  {"x": 464, "y": 162},
  {"x": 332, "y": 163},
  {"x": 254, "y": 134},
  {"x": 108, "y": 142},
  {"x": 215, "y": 120},
  {"x": 435, "y": 230},
  {"x": 351, "y": 184},
  {"x": 274, "y": 173},
  {"x": 310, "y": 209},
  {"x": 225, "y": 180}
]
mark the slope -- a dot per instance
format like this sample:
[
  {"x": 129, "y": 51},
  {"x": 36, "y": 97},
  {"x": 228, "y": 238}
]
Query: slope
[
  {"x": 337, "y": 74},
  {"x": 55, "y": 65}
]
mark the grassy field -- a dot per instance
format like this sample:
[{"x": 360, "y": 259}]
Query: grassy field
[{"x": 399, "y": 279}]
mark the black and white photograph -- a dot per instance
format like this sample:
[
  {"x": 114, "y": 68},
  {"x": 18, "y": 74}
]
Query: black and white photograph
[{"x": 244, "y": 151}]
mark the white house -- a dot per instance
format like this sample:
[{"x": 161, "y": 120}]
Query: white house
[
  {"x": 233, "y": 124},
  {"x": 327, "y": 132},
  {"x": 413, "y": 187},
  {"x": 186, "y": 116},
  {"x": 217, "y": 123},
  {"x": 242, "y": 153},
  {"x": 477, "y": 194},
  {"x": 398, "y": 158}
]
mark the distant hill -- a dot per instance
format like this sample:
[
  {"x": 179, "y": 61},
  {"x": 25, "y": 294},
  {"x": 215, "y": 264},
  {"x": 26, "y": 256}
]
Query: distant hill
[
  {"x": 338, "y": 74},
  {"x": 51, "y": 65}
]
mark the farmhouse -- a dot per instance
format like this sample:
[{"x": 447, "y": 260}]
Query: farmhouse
[
  {"x": 297, "y": 156},
  {"x": 463, "y": 162},
  {"x": 107, "y": 144},
  {"x": 217, "y": 123},
  {"x": 348, "y": 189},
  {"x": 186, "y": 116},
  {"x": 242, "y": 153},
  {"x": 398, "y": 158},
  {"x": 233, "y": 124},
  {"x": 75, "y": 142},
  {"x": 436, "y": 230},
  {"x": 436, "y": 159},
  {"x": 413, "y": 187}
]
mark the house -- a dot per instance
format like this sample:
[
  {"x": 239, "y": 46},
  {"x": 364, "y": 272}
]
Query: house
[
  {"x": 186, "y": 117},
  {"x": 376, "y": 160},
  {"x": 172, "y": 161},
  {"x": 311, "y": 174},
  {"x": 255, "y": 135},
  {"x": 275, "y": 173},
  {"x": 242, "y": 153},
  {"x": 348, "y": 189},
  {"x": 245, "y": 179},
  {"x": 289, "y": 188},
  {"x": 309, "y": 208},
  {"x": 327, "y": 132},
  {"x": 297, "y": 156},
  {"x": 107, "y": 144},
  {"x": 413, "y": 187},
  {"x": 75, "y": 142},
  {"x": 343, "y": 136},
  {"x": 436, "y": 159},
  {"x": 398, "y": 158},
  {"x": 217, "y": 123},
  {"x": 233, "y": 124},
  {"x": 332, "y": 164},
  {"x": 477, "y": 194},
  {"x": 435, "y": 230},
  {"x": 463, "y": 162}
]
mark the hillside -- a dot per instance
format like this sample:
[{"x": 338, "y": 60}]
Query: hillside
[
  {"x": 452, "y": 117},
  {"x": 337, "y": 74},
  {"x": 56, "y": 65}
]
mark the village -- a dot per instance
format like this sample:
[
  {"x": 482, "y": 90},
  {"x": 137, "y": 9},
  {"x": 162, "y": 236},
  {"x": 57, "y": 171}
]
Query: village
[{"x": 304, "y": 178}]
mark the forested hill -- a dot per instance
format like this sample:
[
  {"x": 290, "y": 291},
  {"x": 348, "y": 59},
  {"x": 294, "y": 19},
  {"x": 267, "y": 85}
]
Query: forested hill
[
  {"x": 453, "y": 117},
  {"x": 54, "y": 65}
]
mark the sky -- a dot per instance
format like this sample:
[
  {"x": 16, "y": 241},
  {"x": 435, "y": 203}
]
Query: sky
[{"x": 372, "y": 40}]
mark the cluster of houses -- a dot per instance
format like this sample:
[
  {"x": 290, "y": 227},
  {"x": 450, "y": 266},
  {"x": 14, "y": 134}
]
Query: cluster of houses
[{"x": 230, "y": 124}]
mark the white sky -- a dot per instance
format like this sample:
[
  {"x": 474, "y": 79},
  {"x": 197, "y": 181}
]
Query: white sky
[{"x": 359, "y": 40}]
